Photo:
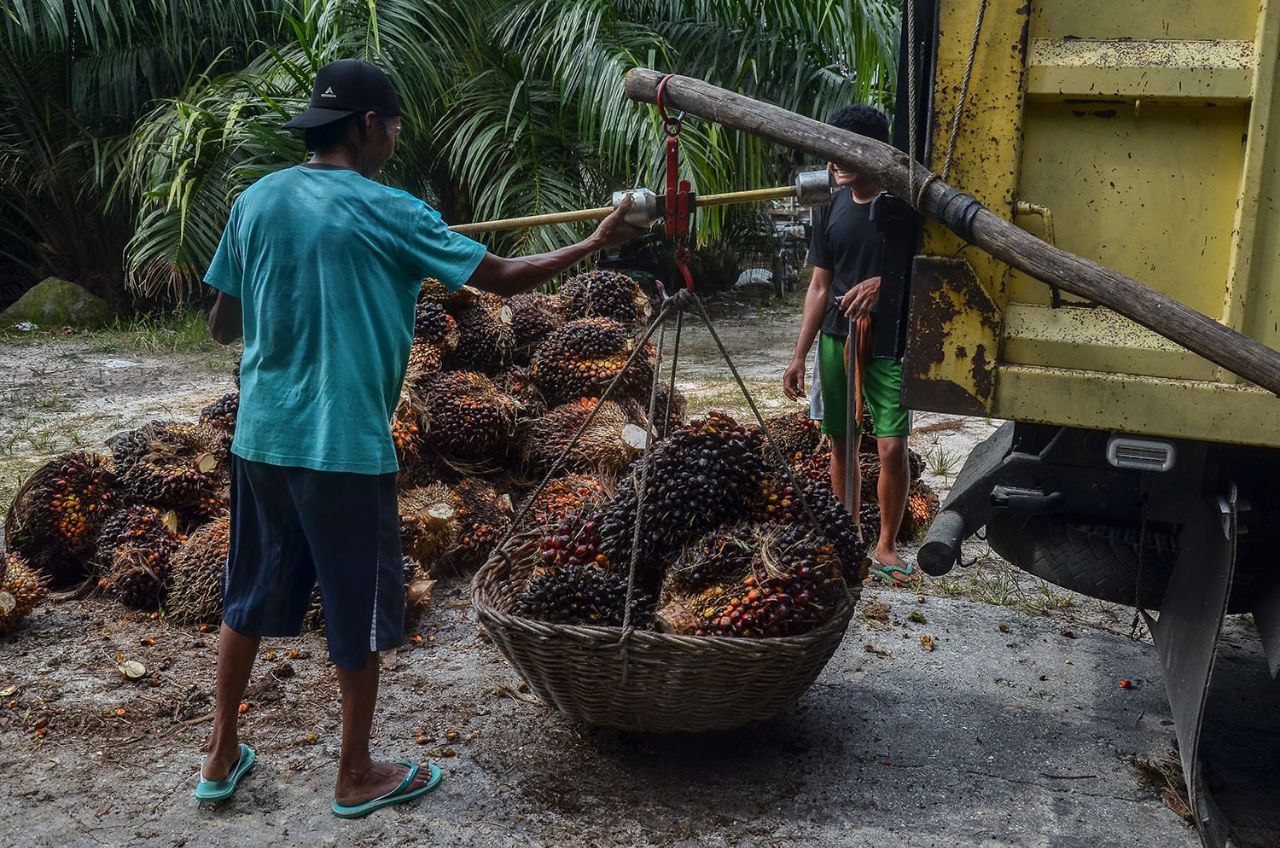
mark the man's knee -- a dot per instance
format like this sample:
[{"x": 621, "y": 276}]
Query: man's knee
[{"x": 892, "y": 449}]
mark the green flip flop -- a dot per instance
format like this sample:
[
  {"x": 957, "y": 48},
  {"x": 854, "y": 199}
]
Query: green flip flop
[
  {"x": 213, "y": 791},
  {"x": 886, "y": 572},
  {"x": 399, "y": 795}
]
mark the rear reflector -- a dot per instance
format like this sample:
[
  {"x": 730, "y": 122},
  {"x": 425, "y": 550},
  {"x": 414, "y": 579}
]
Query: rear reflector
[{"x": 1140, "y": 454}]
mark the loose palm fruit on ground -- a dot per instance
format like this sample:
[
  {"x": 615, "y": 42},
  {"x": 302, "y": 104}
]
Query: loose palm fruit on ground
[
  {"x": 582, "y": 358},
  {"x": 54, "y": 520},
  {"x": 168, "y": 465},
  {"x": 534, "y": 315},
  {"x": 794, "y": 434},
  {"x": 429, "y": 517},
  {"x": 563, "y": 497},
  {"x": 433, "y": 325},
  {"x": 483, "y": 517},
  {"x": 704, "y": 474},
  {"x": 485, "y": 338},
  {"x": 582, "y": 594},
  {"x": 195, "y": 588},
  {"x": 135, "y": 552},
  {"x": 471, "y": 419},
  {"x": 606, "y": 294},
  {"x": 22, "y": 589},
  {"x": 607, "y": 446}
]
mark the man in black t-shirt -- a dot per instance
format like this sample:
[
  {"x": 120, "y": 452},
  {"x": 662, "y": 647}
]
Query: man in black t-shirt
[{"x": 846, "y": 251}]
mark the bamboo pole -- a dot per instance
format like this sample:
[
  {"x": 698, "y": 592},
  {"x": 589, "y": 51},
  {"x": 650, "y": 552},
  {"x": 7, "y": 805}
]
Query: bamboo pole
[{"x": 970, "y": 220}]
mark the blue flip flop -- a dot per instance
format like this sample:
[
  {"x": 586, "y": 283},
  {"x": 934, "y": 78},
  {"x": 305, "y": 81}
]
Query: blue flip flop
[
  {"x": 886, "y": 572},
  {"x": 213, "y": 791},
  {"x": 399, "y": 795}
]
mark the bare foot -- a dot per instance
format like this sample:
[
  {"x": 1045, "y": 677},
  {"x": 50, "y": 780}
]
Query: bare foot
[{"x": 375, "y": 781}]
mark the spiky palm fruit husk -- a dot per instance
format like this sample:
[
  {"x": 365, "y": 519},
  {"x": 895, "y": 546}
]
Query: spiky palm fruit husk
[
  {"x": 409, "y": 426},
  {"x": 582, "y": 358},
  {"x": 704, "y": 474},
  {"x": 534, "y": 315},
  {"x": 606, "y": 294},
  {"x": 425, "y": 362},
  {"x": 607, "y": 446},
  {"x": 174, "y": 466},
  {"x": 486, "y": 340},
  {"x": 795, "y": 434},
  {"x": 668, "y": 411},
  {"x": 54, "y": 520},
  {"x": 195, "y": 588},
  {"x": 135, "y": 552},
  {"x": 563, "y": 497},
  {"x": 471, "y": 419},
  {"x": 788, "y": 596},
  {"x": 780, "y": 502},
  {"x": 582, "y": 594},
  {"x": 429, "y": 518},
  {"x": 483, "y": 517},
  {"x": 434, "y": 325},
  {"x": 922, "y": 508},
  {"x": 22, "y": 588},
  {"x": 516, "y": 382}
]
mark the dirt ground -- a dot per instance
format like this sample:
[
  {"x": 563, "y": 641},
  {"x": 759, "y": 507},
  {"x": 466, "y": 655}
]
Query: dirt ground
[{"x": 1013, "y": 731}]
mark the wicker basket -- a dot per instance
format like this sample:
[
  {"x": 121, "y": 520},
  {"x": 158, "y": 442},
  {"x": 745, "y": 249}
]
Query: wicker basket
[{"x": 666, "y": 683}]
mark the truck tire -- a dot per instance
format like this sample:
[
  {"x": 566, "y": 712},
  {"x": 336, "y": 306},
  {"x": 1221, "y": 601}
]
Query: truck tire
[{"x": 1095, "y": 559}]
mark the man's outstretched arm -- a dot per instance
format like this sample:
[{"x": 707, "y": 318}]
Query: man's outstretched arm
[
  {"x": 226, "y": 321},
  {"x": 506, "y": 277}
]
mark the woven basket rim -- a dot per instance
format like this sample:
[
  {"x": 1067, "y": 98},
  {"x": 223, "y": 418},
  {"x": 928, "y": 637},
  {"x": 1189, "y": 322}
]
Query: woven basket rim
[{"x": 839, "y": 618}]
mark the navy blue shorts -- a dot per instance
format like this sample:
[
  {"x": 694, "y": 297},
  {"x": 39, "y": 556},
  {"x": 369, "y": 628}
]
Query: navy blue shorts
[{"x": 292, "y": 527}]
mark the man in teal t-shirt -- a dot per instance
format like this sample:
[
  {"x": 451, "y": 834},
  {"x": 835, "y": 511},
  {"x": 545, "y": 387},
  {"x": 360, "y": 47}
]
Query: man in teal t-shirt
[{"x": 319, "y": 269}]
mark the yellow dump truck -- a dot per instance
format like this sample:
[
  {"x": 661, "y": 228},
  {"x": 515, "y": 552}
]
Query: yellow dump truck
[{"x": 1127, "y": 151}]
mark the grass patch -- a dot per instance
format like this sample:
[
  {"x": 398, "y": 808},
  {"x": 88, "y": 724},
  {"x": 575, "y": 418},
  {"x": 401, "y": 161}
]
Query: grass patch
[{"x": 177, "y": 331}]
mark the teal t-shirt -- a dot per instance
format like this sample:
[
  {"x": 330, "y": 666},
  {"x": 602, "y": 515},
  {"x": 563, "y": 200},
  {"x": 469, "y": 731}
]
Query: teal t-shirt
[{"x": 327, "y": 265}]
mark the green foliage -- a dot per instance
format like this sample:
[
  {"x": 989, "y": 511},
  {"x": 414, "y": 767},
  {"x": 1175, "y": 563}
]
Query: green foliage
[{"x": 145, "y": 119}]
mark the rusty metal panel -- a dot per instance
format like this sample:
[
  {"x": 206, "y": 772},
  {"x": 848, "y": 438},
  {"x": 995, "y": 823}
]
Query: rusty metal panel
[{"x": 954, "y": 329}]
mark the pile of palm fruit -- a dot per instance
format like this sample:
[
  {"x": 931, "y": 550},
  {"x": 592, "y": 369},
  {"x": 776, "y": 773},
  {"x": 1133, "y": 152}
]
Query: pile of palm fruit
[
  {"x": 722, "y": 538},
  {"x": 494, "y": 390}
]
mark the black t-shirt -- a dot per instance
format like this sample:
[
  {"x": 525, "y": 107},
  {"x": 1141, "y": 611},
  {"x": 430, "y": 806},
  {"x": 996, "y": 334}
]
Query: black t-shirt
[{"x": 847, "y": 243}]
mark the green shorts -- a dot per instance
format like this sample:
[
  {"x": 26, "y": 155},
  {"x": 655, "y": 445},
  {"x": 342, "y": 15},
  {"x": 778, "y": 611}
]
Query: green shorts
[{"x": 881, "y": 392}]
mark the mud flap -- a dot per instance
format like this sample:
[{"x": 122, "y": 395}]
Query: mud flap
[{"x": 1186, "y": 635}]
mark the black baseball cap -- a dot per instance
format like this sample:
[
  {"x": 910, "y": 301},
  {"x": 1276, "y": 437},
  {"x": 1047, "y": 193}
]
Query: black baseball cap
[{"x": 344, "y": 88}]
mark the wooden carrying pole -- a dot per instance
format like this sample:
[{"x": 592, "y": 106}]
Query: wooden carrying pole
[
  {"x": 599, "y": 213},
  {"x": 970, "y": 220}
]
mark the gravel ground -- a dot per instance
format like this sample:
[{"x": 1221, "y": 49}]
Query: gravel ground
[{"x": 1012, "y": 731}]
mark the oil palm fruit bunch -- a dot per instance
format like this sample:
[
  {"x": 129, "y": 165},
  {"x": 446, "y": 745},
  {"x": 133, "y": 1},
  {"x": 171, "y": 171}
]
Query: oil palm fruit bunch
[
  {"x": 175, "y": 466},
  {"x": 793, "y": 586},
  {"x": 485, "y": 338},
  {"x": 724, "y": 555},
  {"x": 563, "y": 497},
  {"x": 409, "y": 426},
  {"x": 534, "y": 315},
  {"x": 815, "y": 466},
  {"x": 54, "y": 520},
  {"x": 433, "y": 325},
  {"x": 221, "y": 416},
  {"x": 608, "y": 445},
  {"x": 704, "y": 474},
  {"x": 418, "y": 585},
  {"x": 582, "y": 358},
  {"x": 483, "y": 517},
  {"x": 606, "y": 294},
  {"x": 434, "y": 290},
  {"x": 779, "y": 501},
  {"x": 22, "y": 588},
  {"x": 582, "y": 594},
  {"x": 425, "y": 362},
  {"x": 794, "y": 434},
  {"x": 517, "y": 383},
  {"x": 195, "y": 589},
  {"x": 135, "y": 551},
  {"x": 428, "y": 521},
  {"x": 471, "y": 420},
  {"x": 573, "y": 540},
  {"x": 922, "y": 508}
]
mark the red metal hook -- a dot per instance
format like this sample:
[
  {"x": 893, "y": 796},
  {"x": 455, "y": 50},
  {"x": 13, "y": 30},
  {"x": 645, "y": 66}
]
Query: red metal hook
[{"x": 678, "y": 201}]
